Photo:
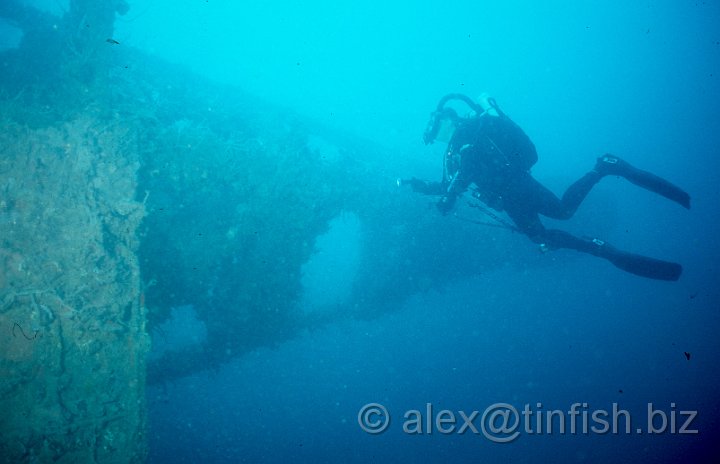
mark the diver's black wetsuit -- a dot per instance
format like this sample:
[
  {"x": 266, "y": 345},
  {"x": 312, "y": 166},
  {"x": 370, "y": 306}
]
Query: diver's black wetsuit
[{"x": 495, "y": 154}]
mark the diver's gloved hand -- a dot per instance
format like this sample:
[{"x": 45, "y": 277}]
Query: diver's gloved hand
[
  {"x": 416, "y": 184},
  {"x": 446, "y": 204},
  {"x": 423, "y": 186}
]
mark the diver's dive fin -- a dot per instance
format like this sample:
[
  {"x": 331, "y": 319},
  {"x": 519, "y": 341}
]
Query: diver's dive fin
[
  {"x": 639, "y": 265},
  {"x": 646, "y": 267},
  {"x": 612, "y": 165}
]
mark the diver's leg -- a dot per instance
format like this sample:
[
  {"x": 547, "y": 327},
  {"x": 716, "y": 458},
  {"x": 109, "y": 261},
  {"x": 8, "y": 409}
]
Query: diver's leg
[
  {"x": 576, "y": 193},
  {"x": 547, "y": 204},
  {"x": 526, "y": 218},
  {"x": 612, "y": 165},
  {"x": 550, "y": 206},
  {"x": 528, "y": 223},
  {"x": 636, "y": 264}
]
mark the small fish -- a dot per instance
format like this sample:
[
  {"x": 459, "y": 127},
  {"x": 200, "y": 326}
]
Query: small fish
[
  {"x": 112, "y": 41},
  {"x": 687, "y": 355}
]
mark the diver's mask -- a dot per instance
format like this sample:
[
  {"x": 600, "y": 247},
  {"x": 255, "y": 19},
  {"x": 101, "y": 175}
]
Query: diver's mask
[
  {"x": 447, "y": 130},
  {"x": 441, "y": 126}
]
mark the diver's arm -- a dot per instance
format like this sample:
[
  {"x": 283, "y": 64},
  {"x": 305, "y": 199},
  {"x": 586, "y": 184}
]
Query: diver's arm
[
  {"x": 424, "y": 186},
  {"x": 457, "y": 185}
]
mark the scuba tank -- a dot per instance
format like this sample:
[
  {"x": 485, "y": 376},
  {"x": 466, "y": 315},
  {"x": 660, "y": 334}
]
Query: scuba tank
[{"x": 489, "y": 106}]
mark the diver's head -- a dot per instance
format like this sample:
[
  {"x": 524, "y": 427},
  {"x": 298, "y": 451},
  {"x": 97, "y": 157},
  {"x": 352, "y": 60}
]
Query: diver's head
[
  {"x": 441, "y": 126},
  {"x": 443, "y": 121}
]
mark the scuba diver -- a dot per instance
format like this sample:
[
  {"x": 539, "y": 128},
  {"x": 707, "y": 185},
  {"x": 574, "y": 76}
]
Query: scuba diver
[{"x": 489, "y": 150}]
